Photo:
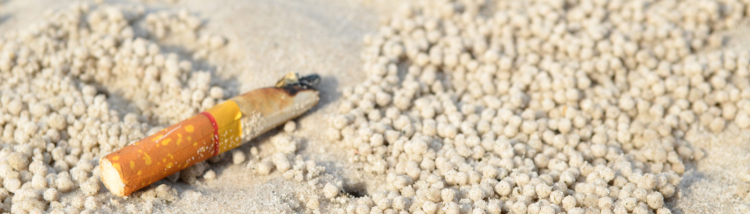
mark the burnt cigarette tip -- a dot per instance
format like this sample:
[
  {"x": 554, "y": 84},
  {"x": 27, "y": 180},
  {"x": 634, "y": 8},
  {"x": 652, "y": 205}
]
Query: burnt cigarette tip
[
  {"x": 310, "y": 81},
  {"x": 294, "y": 80}
]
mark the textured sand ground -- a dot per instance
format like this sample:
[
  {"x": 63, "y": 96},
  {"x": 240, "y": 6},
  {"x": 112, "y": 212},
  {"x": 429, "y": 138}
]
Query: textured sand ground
[{"x": 269, "y": 38}]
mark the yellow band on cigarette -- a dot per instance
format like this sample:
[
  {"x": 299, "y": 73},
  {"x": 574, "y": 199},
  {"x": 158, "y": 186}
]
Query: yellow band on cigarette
[{"x": 227, "y": 116}]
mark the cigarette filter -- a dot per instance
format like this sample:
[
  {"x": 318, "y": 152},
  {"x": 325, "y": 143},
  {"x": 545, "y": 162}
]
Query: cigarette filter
[{"x": 214, "y": 131}]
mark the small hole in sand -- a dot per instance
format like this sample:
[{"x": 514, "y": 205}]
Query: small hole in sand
[{"x": 355, "y": 190}]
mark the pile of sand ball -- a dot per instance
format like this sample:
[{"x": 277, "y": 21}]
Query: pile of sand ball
[
  {"x": 58, "y": 80},
  {"x": 542, "y": 106}
]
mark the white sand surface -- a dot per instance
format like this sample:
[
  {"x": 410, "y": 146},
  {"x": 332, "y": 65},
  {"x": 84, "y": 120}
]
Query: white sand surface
[{"x": 268, "y": 38}]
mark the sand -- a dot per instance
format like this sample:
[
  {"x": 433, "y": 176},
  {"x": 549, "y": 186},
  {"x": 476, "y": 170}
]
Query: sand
[{"x": 268, "y": 38}]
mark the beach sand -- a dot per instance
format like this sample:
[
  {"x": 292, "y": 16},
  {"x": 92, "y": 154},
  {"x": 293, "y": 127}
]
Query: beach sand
[{"x": 268, "y": 38}]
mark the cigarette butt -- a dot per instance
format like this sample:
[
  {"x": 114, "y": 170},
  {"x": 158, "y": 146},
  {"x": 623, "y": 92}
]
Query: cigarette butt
[{"x": 214, "y": 131}]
